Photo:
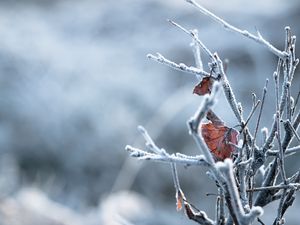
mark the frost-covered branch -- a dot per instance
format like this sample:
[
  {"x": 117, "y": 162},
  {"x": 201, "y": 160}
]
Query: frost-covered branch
[
  {"x": 294, "y": 186},
  {"x": 181, "y": 67},
  {"x": 166, "y": 157},
  {"x": 228, "y": 91},
  {"x": 243, "y": 218},
  {"x": 259, "y": 39},
  {"x": 196, "y": 50},
  {"x": 195, "y": 38},
  {"x": 288, "y": 152}
]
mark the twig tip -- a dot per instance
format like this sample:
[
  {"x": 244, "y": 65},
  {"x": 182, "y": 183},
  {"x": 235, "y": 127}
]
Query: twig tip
[
  {"x": 141, "y": 129},
  {"x": 128, "y": 148}
]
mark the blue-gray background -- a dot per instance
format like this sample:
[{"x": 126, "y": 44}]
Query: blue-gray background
[{"x": 75, "y": 83}]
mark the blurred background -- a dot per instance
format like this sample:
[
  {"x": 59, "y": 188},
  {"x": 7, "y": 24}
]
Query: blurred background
[{"x": 75, "y": 83}]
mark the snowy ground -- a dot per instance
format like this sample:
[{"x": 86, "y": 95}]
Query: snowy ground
[{"x": 75, "y": 83}]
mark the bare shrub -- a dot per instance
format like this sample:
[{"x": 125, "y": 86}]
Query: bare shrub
[{"x": 231, "y": 155}]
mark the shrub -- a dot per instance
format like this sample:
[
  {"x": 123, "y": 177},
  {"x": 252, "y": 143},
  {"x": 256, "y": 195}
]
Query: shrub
[{"x": 233, "y": 158}]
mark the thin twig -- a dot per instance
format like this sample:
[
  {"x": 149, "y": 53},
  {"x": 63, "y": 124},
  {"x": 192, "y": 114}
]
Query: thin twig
[
  {"x": 221, "y": 212},
  {"x": 168, "y": 158},
  {"x": 260, "y": 110},
  {"x": 259, "y": 39},
  {"x": 296, "y": 102},
  {"x": 295, "y": 186},
  {"x": 228, "y": 91},
  {"x": 293, "y": 130},
  {"x": 270, "y": 139},
  {"x": 181, "y": 67},
  {"x": 175, "y": 177},
  {"x": 226, "y": 168},
  {"x": 195, "y": 38},
  {"x": 281, "y": 168},
  {"x": 254, "y": 107},
  {"x": 288, "y": 152},
  {"x": 197, "y": 51}
]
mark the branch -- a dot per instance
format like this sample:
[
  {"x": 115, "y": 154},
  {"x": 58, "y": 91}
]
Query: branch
[
  {"x": 293, "y": 130},
  {"x": 288, "y": 152},
  {"x": 259, "y": 39},
  {"x": 181, "y": 67},
  {"x": 260, "y": 110},
  {"x": 294, "y": 186},
  {"x": 220, "y": 208},
  {"x": 228, "y": 91},
  {"x": 196, "y": 50},
  {"x": 291, "y": 195},
  {"x": 195, "y": 38},
  {"x": 167, "y": 158},
  {"x": 226, "y": 168}
]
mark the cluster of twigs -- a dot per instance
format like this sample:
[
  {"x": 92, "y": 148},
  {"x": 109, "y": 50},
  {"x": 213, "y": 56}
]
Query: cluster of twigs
[{"x": 235, "y": 176}]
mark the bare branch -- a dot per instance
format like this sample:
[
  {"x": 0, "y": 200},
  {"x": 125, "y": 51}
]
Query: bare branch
[
  {"x": 195, "y": 38},
  {"x": 295, "y": 186},
  {"x": 260, "y": 110},
  {"x": 178, "y": 158},
  {"x": 175, "y": 177},
  {"x": 293, "y": 130},
  {"x": 226, "y": 168},
  {"x": 196, "y": 50},
  {"x": 228, "y": 91},
  {"x": 288, "y": 152},
  {"x": 181, "y": 67},
  {"x": 259, "y": 39}
]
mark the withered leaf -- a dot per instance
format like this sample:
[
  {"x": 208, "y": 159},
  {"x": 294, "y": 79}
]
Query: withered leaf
[
  {"x": 218, "y": 137},
  {"x": 204, "y": 86}
]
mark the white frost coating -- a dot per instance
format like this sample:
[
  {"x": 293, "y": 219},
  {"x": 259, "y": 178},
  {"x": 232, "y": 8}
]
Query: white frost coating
[
  {"x": 258, "y": 38},
  {"x": 181, "y": 67}
]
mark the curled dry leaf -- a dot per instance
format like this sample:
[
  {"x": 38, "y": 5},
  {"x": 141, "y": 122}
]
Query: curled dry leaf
[
  {"x": 219, "y": 138},
  {"x": 204, "y": 87},
  {"x": 191, "y": 211}
]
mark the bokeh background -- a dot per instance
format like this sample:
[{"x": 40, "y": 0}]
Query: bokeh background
[{"x": 75, "y": 83}]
